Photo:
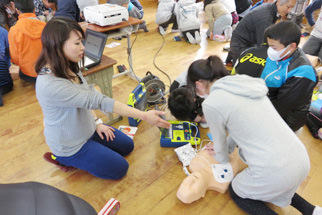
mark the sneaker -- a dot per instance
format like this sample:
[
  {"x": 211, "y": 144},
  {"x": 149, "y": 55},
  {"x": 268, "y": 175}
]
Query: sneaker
[
  {"x": 226, "y": 48},
  {"x": 162, "y": 30},
  {"x": 317, "y": 211},
  {"x": 175, "y": 30},
  {"x": 190, "y": 38},
  {"x": 219, "y": 38},
  {"x": 48, "y": 156},
  {"x": 143, "y": 27},
  {"x": 197, "y": 37},
  {"x": 228, "y": 32},
  {"x": 110, "y": 208}
]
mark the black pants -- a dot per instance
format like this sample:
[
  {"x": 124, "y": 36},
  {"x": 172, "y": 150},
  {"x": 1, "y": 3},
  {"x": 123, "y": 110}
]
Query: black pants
[
  {"x": 26, "y": 77},
  {"x": 257, "y": 207},
  {"x": 5, "y": 89},
  {"x": 173, "y": 20}
]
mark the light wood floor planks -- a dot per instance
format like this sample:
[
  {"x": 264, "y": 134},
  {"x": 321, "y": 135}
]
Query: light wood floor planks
[{"x": 155, "y": 173}]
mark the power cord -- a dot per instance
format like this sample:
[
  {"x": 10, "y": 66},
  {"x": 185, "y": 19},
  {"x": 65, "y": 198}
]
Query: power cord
[{"x": 158, "y": 68}]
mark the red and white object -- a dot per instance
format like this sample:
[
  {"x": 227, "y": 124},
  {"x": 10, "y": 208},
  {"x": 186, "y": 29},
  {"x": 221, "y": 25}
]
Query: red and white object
[{"x": 110, "y": 208}]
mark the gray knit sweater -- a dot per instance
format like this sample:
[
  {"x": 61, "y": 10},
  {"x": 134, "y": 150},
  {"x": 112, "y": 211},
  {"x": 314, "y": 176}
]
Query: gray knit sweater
[{"x": 66, "y": 108}]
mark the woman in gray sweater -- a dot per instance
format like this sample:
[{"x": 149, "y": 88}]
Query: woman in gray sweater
[
  {"x": 74, "y": 136},
  {"x": 239, "y": 113}
]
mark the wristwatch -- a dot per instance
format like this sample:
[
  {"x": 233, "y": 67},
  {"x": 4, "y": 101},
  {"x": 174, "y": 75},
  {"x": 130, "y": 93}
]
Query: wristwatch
[{"x": 98, "y": 121}]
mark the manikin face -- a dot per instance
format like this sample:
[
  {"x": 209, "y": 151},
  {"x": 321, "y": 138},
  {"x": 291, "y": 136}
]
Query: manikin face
[
  {"x": 192, "y": 188},
  {"x": 73, "y": 48},
  {"x": 284, "y": 9}
]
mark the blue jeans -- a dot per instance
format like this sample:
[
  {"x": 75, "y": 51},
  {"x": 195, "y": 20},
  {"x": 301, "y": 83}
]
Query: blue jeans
[
  {"x": 102, "y": 158},
  {"x": 310, "y": 9}
]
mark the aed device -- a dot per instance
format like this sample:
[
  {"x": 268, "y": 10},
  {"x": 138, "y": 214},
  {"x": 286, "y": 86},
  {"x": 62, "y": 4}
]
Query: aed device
[
  {"x": 179, "y": 133},
  {"x": 137, "y": 99},
  {"x": 149, "y": 91}
]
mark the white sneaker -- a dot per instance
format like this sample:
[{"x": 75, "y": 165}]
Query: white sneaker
[
  {"x": 197, "y": 37},
  {"x": 162, "y": 30},
  {"x": 175, "y": 30},
  {"x": 317, "y": 210},
  {"x": 228, "y": 32},
  {"x": 190, "y": 38}
]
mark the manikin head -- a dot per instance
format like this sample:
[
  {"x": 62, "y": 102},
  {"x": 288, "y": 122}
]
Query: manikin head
[{"x": 193, "y": 187}]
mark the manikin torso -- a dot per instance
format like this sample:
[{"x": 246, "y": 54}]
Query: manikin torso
[{"x": 202, "y": 179}]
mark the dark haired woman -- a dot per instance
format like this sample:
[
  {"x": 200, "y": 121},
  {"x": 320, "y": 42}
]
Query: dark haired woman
[
  {"x": 74, "y": 136},
  {"x": 238, "y": 112}
]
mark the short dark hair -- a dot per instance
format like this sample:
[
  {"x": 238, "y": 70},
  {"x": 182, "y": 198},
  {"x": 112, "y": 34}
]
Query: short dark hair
[
  {"x": 208, "y": 69},
  {"x": 181, "y": 103},
  {"x": 286, "y": 32},
  {"x": 53, "y": 38},
  {"x": 25, "y": 6}
]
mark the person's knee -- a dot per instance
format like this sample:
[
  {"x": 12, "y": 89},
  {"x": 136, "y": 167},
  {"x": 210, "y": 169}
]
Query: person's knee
[
  {"x": 129, "y": 148},
  {"x": 116, "y": 172}
]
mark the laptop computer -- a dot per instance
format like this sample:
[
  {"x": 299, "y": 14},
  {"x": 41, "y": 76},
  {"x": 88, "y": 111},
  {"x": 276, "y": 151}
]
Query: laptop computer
[{"x": 94, "y": 46}]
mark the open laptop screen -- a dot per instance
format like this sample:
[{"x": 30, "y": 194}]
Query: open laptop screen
[{"x": 94, "y": 44}]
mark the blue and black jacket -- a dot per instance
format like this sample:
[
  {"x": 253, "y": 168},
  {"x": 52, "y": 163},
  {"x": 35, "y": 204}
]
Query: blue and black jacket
[{"x": 290, "y": 81}]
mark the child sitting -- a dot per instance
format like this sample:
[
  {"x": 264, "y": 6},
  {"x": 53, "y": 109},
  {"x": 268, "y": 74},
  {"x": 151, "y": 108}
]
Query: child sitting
[
  {"x": 187, "y": 13},
  {"x": 183, "y": 100},
  {"x": 219, "y": 20},
  {"x": 42, "y": 12},
  {"x": 133, "y": 12},
  {"x": 165, "y": 16}
]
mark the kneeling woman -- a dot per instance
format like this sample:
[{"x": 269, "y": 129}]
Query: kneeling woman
[
  {"x": 238, "y": 112},
  {"x": 67, "y": 100}
]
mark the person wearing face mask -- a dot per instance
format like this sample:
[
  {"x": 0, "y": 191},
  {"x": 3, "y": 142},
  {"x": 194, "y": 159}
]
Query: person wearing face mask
[
  {"x": 239, "y": 113},
  {"x": 8, "y": 13},
  {"x": 288, "y": 73},
  {"x": 286, "y": 70},
  {"x": 250, "y": 30}
]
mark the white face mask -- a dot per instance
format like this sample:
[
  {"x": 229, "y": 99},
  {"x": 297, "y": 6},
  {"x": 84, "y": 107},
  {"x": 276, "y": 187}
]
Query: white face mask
[
  {"x": 276, "y": 55},
  {"x": 204, "y": 96}
]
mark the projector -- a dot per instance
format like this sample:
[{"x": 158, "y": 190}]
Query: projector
[{"x": 105, "y": 14}]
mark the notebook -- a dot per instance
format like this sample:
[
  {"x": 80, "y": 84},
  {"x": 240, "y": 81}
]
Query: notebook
[{"x": 94, "y": 46}]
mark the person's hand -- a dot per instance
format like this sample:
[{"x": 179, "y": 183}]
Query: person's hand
[
  {"x": 210, "y": 148},
  {"x": 153, "y": 118},
  {"x": 107, "y": 130}
]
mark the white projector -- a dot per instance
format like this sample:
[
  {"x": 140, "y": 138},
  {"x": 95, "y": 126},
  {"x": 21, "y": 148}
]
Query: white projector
[{"x": 105, "y": 14}]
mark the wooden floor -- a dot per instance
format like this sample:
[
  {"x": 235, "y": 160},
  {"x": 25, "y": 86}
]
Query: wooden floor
[{"x": 150, "y": 186}]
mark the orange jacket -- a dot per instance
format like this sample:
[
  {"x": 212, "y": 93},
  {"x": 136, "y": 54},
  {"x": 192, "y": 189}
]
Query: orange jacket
[{"x": 25, "y": 42}]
